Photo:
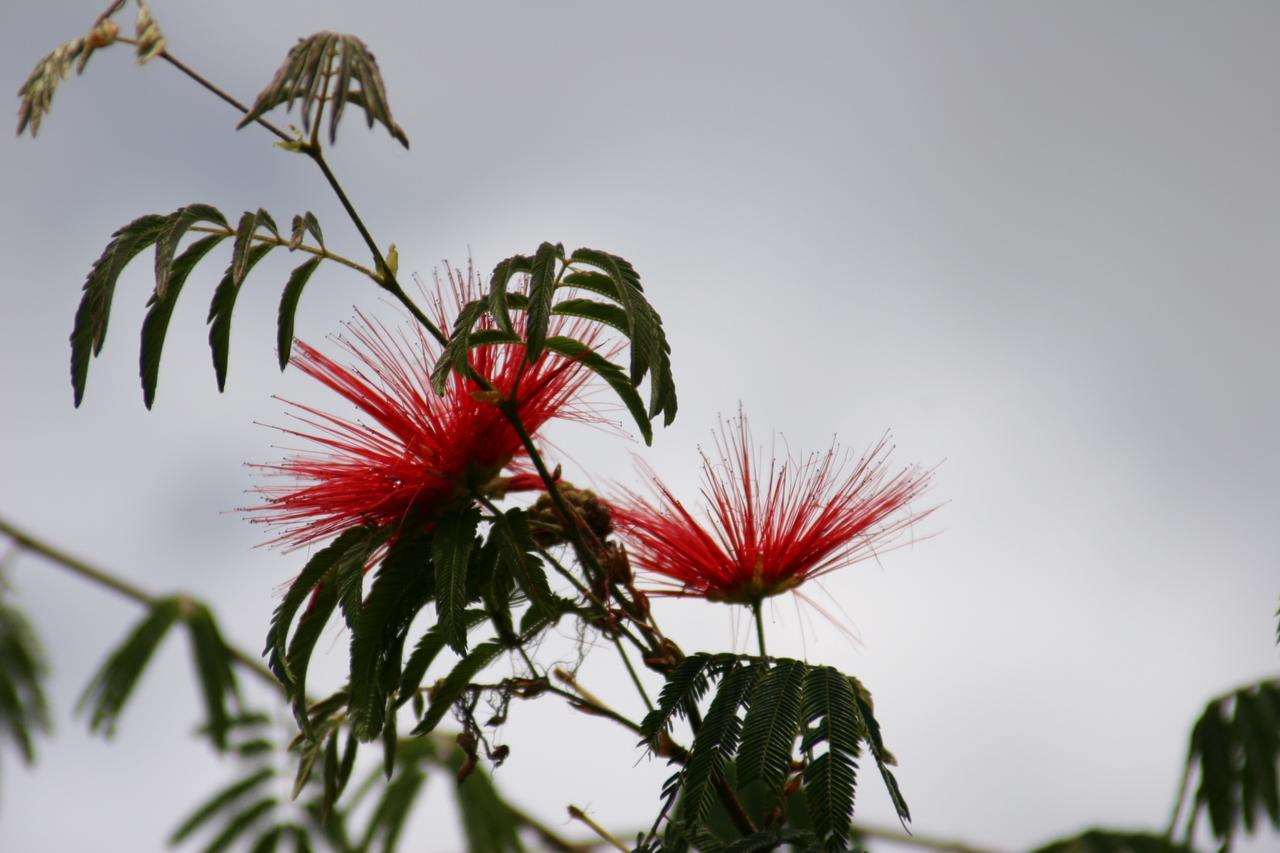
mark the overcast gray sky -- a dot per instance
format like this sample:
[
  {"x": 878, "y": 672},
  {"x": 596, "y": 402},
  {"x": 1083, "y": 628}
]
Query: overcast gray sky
[{"x": 1036, "y": 241}]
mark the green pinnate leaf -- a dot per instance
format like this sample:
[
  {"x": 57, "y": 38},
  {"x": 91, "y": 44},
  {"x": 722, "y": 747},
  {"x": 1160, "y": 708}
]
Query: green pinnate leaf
[
  {"x": 289, "y": 307},
  {"x": 179, "y": 222},
  {"x": 403, "y": 584},
  {"x": 452, "y": 541},
  {"x": 717, "y": 740},
  {"x": 611, "y": 373},
  {"x": 830, "y": 713},
  {"x": 328, "y": 69},
  {"x": 498, "y": 283},
  {"x": 156, "y": 324},
  {"x": 770, "y": 727},
  {"x": 686, "y": 684},
  {"x": 543, "y": 276},
  {"x": 90, "y": 329},
  {"x": 224, "y": 302}
]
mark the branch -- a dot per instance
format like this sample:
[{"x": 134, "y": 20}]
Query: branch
[{"x": 103, "y": 578}]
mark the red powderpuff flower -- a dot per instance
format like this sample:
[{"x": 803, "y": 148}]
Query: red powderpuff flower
[
  {"x": 770, "y": 530},
  {"x": 413, "y": 452}
]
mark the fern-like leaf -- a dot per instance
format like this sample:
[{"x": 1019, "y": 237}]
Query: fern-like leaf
[
  {"x": 90, "y": 329},
  {"x": 333, "y": 69},
  {"x": 829, "y": 780},
  {"x": 770, "y": 727}
]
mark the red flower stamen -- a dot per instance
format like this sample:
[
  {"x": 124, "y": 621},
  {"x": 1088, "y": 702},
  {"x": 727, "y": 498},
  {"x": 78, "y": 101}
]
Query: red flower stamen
[
  {"x": 417, "y": 452},
  {"x": 770, "y": 530}
]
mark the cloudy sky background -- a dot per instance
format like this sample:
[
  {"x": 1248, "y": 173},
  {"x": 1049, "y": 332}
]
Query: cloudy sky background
[{"x": 1037, "y": 242}]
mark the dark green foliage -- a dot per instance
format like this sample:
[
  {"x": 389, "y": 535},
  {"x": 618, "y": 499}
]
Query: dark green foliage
[
  {"x": 244, "y": 258},
  {"x": 502, "y": 274},
  {"x": 403, "y": 584},
  {"x": 90, "y": 330},
  {"x": 1110, "y": 841},
  {"x": 156, "y": 325},
  {"x": 452, "y": 541},
  {"x": 611, "y": 373},
  {"x": 831, "y": 720},
  {"x": 870, "y": 730},
  {"x": 542, "y": 294},
  {"x": 515, "y": 552},
  {"x": 428, "y": 647},
  {"x": 1236, "y": 746},
  {"x": 753, "y": 754},
  {"x": 255, "y": 235},
  {"x": 717, "y": 740},
  {"x": 650, "y": 352},
  {"x": 346, "y": 547},
  {"x": 334, "y": 574},
  {"x": 549, "y": 275},
  {"x": 770, "y": 727},
  {"x": 590, "y": 309},
  {"x": 289, "y": 307},
  {"x": 686, "y": 685},
  {"x": 24, "y": 711},
  {"x": 107, "y": 693},
  {"x": 333, "y": 69}
]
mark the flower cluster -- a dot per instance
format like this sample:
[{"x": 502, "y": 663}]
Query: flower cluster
[
  {"x": 413, "y": 452},
  {"x": 770, "y": 530}
]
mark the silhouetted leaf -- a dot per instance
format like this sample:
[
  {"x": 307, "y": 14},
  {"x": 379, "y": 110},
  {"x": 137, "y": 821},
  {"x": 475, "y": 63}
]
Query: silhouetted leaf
[
  {"x": 156, "y": 324},
  {"x": 770, "y": 727},
  {"x": 610, "y": 373},
  {"x": 542, "y": 286},
  {"x": 90, "y": 329},
  {"x": 289, "y": 307},
  {"x": 452, "y": 540},
  {"x": 717, "y": 740},
  {"x": 829, "y": 780},
  {"x": 315, "y": 62},
  {"x": 167, "y": 245},
  {"x": 224, "y": 302}
]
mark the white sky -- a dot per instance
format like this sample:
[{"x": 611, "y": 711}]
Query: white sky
[{"x": 1036, "y": 241}]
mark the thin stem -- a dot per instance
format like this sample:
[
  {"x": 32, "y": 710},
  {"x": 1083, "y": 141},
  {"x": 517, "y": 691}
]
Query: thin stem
[
  {"x": 759, "y": 617},
  {"x": 631, "y": 671},
  {"x": 386, "y": 277},
  {"x": 194, "y": 75},
  {"x": 553, "y": 840},
  {"x": 319, "y": 252},
  {"x": 105, "y": 579},
  {"x": 595, "y": 707},
  {"x": 578, "y": 814},
  {"x": 589, "y": 595}
]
